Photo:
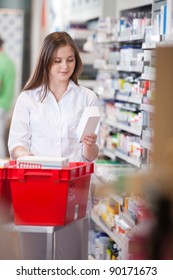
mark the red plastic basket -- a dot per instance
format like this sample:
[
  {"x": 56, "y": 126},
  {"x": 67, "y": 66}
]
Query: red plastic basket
[
  {"x": 50, "y": 197},
  {"x": 5, "y": 196}
]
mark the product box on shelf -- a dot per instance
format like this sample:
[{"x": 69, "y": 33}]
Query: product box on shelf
[
  {"x": 5, "y": 196},
  {"x": 50, "y": 197}
]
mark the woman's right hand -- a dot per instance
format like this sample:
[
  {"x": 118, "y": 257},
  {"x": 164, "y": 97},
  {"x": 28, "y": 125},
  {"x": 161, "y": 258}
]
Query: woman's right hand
[{"x": 20, "y": 151}]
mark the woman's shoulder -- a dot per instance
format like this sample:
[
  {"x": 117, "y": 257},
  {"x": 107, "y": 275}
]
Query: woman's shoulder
[
  {"x": 30, "y": 94},
  {"x": 87, "y": 90},
  {"x": 27, "y": 97},
  {"x": 82, "y": 89},
  {"x": 89, "y": 95}
]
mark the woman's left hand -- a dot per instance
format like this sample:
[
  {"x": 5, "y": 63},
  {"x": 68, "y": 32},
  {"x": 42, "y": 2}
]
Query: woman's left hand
[{"x": 89, "y": 140}]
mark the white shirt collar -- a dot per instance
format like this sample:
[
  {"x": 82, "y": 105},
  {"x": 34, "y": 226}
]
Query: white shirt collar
[{"x": 39, "y": 90}]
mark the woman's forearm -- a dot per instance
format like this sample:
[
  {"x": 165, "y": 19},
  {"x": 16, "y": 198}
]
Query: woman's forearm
[{"x": 90, "y": 153}]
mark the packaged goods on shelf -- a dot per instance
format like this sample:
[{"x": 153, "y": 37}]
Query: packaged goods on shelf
[{"x": 101, "y": 244}]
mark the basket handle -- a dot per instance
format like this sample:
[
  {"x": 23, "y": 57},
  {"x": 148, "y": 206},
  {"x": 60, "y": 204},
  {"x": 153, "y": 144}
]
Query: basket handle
[
  {"x": 36, "y": 173},
  {"x": 22, "y": 174}
]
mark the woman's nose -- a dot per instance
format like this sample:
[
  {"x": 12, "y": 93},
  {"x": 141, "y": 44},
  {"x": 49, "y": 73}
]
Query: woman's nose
[{"x": 64, "y": 64}]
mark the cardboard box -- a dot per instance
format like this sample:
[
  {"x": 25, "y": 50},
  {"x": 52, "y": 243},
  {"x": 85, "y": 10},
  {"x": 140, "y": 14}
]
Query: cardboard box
[{"x": 88, "y": 122}]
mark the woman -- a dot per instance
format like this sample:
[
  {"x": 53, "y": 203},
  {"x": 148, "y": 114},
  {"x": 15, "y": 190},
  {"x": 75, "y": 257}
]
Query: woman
[
  {"x": 48, "y": 110},
  {"x": 44, "y": 123}
]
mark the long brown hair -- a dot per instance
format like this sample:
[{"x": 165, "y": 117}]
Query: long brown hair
[{"x": 40, "y": 76}]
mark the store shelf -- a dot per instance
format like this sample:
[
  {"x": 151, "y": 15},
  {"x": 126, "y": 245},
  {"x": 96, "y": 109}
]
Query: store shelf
[
  {"x": 129, "y": 129},
  {"x": 107, "y": 97},
  {"x": 149, "y": 45},
  {"x": 132, "y": 130},
  {"x": 87, "y": 83},
  {"x": 117, "y": 238},
  {"x": 153, "y": 43},
  {"x": 113, "y": 154},
  {"x": 147, "y": 107},
  {"x": 134, "y": 71},
  {"x": 128, "y": 159},
  {"x": 109, "y": 153},
  {"x": 86, "y": 57},
  {"x": 107, "y": 67},
  {"x": 117, "y": 198},
  {"x": 106, "y": 42},
  {"x": 115, "y": 124},
  {"x": 146, "y": 145},
  {"x": 110, "y": 122},
  {"x": 131, "y": 38},
  {"x": 137, "y": 69},
  {"x": 127, "y": 218},
  {"x": 147, "y": 77},
  {"x": 136, "y": 100},
  {"x": 120, "y": 239},
  {"x": 80, "y": 33}
]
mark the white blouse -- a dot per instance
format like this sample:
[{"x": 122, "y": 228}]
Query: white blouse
[{"x": 48, "y": 128}]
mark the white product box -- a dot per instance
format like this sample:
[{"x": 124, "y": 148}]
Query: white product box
[
  {"x": 42, "y": 162},
  {"x": 88, "y": 122}
]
